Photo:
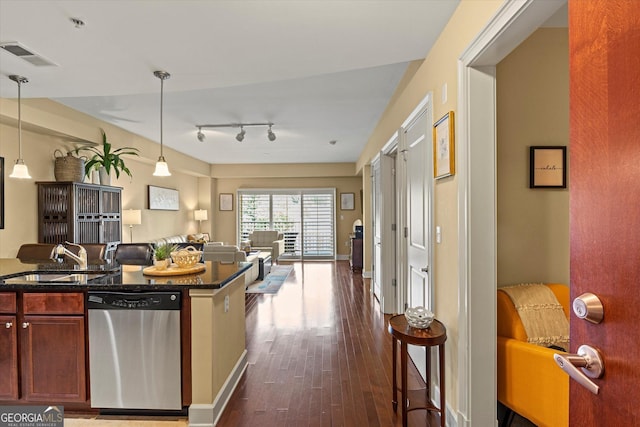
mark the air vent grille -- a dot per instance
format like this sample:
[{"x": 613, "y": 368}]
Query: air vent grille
[{"x": 27, "y": 54}]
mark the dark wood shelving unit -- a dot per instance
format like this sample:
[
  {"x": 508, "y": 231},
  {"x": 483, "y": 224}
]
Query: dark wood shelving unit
[
  {"x": 79, "y": 212},
  {"x": 356, "y": 254}
]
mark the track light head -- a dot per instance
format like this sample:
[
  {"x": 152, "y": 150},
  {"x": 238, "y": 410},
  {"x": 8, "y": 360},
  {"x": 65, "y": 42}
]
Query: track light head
[
  {"x": 240, "y": 135},
  {"x": 270, "y": 134},
  {"x": 201, "y": 136}
]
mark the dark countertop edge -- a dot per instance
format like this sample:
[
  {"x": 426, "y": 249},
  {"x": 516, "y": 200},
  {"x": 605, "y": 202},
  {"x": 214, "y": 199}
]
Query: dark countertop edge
[{"x": 96, "y": 285}]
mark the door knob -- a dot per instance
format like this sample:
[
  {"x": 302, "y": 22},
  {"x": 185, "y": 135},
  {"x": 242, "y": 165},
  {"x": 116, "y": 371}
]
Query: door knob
[
  {"x": 588, "y": 307},
  {"x": 590, "y": 363},
  {"x": 8, "y": 325},
  {"x": 25, "y": 325},
  {"x": 425, "y": 269}
]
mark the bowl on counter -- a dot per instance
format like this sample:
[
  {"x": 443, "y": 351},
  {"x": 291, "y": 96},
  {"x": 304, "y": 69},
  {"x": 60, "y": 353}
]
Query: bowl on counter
[{"x": 187, "y": 257}]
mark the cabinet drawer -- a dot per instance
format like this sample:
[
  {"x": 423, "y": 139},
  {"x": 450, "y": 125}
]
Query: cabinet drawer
[
  {"x": 53, "y": 303},
  {"x": 7, "y": 302}
]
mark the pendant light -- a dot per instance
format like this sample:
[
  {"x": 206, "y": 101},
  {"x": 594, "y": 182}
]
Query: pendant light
[
  {"x": 162, "y": 169},
  {"x": 20, "y": 170}
]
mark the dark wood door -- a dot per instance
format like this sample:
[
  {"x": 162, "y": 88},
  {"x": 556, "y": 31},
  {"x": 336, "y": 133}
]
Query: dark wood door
[
  {"x": 604, "y": 41},
  {"x": 53, "y": 359},
  {"x": 8, "y": 358}
]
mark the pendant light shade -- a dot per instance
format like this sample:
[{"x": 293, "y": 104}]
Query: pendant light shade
[
  {"x": 162, "y": 169},
  {"x": 20, "y": 170}
]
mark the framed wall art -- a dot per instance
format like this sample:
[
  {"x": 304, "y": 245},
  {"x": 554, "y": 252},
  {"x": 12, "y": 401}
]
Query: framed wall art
[
  {"x": 347, "y": 201},
  {"x": 225, "y": 202},
  {"x": 166, "y": 199},
  {"x": 548, "y": 167},
  {"x": 444, "y": 161}
]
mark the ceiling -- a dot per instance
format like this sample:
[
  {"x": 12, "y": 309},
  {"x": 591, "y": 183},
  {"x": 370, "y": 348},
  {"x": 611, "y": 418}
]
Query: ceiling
[{"x": 320, "y": 70}]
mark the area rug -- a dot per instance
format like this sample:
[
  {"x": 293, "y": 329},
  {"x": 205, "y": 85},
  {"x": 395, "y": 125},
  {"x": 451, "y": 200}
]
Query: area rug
[{"x": 271, "y": 284}]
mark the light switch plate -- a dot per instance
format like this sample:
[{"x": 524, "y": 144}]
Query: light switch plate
[{"x": 438, "y": 234}]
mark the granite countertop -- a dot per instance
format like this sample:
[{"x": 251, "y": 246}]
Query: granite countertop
[{"x": 117, "y": 277}]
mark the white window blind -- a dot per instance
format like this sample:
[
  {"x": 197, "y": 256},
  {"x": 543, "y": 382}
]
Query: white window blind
[{"x": 305, "y": 217}]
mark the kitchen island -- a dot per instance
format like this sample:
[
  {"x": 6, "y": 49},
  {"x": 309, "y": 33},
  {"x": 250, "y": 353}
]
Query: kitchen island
[{"x": 45, "y": 360}]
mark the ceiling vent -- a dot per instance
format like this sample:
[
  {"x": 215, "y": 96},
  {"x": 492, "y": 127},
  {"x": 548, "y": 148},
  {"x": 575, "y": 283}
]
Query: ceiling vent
[{"x": 28, "y": 55}]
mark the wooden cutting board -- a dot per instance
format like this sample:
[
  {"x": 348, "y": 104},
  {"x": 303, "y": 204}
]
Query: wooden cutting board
[{"x": 173, "y": 270}]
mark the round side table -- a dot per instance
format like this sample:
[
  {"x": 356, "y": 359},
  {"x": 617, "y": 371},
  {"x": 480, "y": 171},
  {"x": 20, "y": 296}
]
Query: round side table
[{"x": 434, "y": 335}]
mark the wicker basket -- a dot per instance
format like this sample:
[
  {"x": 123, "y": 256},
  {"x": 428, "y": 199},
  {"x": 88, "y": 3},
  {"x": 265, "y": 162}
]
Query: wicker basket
[
  {"x": 68, "y": 168},
  {"x": 187, "y": 257}
]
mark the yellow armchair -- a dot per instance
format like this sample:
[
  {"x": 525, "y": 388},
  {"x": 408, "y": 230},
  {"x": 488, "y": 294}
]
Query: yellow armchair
[{"x": 529, "y": 381}]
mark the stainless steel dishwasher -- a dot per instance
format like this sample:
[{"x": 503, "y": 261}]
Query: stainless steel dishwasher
[{"x": 134, "y": 350}]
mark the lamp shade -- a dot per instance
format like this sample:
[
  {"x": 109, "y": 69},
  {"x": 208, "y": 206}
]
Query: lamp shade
[
  {"x": 132, "y": 217},
  {"x": 200, "y": 215},
  {"x": 162, "y": 169},
  {"x": 20, "y": 170}
]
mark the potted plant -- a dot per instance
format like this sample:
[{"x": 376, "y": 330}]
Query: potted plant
[
  {"x": 105, "y": 160},
  {"x": 162, "y": 255}
]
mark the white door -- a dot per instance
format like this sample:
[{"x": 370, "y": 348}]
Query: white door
[
  {"x": 384, "y": 238},
  {"x": 417, "y": 232},
  {"x": 418, "y": 224},
  {"x": 377, "y": 228}
]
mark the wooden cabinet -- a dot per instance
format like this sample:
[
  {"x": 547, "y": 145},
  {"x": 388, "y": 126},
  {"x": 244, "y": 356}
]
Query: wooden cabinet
[
  {"x": 78, "y": 212},
  {"x": 8, "y": 347},
  {"x": 51, "y": 342},
  {"x": 356, "y": 254}
]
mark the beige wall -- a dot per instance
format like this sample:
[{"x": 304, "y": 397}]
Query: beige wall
[
  {"x": 533, "y": 109},
  {"x": 439, "y": 67},
  {"x": 48, "y": 126},
  {"x": 225, "y": 227}
]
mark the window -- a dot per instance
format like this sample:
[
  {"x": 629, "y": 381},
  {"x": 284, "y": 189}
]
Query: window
[{"x": 305, "y": 217}]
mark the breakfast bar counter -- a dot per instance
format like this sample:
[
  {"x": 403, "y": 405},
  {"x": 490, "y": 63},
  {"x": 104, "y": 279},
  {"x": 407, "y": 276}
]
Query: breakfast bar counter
[
  {"x": 52, "y": 298},
  {"x": 112, "y": 276}
]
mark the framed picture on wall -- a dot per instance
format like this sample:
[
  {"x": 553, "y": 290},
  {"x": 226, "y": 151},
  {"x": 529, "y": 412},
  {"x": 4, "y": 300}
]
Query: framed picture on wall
[
  {"x": 444, "y": 157},
  {"x": 548, "y": 167},
  {"x": 166, "y": 199},
  {"x": 347, "y": 201},
  {"x": 225, "y": 202}
]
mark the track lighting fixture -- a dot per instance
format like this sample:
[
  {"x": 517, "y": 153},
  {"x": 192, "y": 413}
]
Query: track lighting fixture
[
  {"x": 270, "y": 134},
  {"x": 162, "y": 169},
  {"x": 240, "y": 136},
  {"x": 200, "y": 135},
  {"x": 20, "y": 170}
]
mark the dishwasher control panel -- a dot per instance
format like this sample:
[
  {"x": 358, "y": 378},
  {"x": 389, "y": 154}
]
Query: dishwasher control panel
[{"x": 133, "y": 301}]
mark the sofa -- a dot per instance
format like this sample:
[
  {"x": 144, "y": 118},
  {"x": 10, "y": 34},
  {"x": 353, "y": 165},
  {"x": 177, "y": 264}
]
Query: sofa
[
  {"x": 529, "y": 381},
  {"x": 266, "y": 240},
  {"x": 179, "y": 238}
]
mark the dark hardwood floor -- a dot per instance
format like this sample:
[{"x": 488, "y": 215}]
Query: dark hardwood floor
[{"x": 319, "y": 355}]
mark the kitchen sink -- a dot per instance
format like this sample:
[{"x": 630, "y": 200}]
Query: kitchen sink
[{"x": 53, "y": 278}]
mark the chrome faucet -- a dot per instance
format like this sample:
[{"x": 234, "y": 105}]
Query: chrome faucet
[{"x": 81, "y": 258}]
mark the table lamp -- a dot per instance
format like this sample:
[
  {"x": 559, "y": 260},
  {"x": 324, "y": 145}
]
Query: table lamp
[
  {"x": 200, "y": 215},
  {"x": 131, "y": 217}
]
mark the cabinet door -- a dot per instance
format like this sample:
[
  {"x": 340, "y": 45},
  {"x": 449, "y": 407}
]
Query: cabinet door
[
  {"x": 111, "y": 209},
  {"x": 8, "y": 358},
  {"x": 53, "y": 359},
  {"x": 87, "y": 214}
]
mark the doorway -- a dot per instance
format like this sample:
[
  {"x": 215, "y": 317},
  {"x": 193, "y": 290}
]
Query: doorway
[{"x": 477, "y": 227}]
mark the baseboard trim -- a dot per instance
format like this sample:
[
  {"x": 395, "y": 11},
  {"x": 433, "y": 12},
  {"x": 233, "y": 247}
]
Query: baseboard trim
[{"x": 208, "y": 415}]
